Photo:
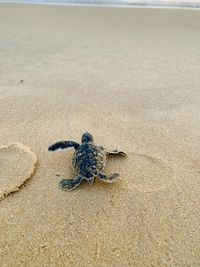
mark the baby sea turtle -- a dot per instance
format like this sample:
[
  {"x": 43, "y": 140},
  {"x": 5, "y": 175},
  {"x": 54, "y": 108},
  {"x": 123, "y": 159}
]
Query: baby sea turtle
[{"x": 88, "y": 161}]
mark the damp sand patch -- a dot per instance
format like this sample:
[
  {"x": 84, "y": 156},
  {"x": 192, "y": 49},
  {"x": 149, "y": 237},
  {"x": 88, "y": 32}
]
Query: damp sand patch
[
  {"x": 17, "y": 164},
  {"x": 150, "y": 174},
  {"x": 145, "y": 173}
]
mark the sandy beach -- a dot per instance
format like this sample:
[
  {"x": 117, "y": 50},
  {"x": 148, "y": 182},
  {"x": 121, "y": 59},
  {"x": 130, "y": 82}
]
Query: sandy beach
[{"x": 131, "y": 78}]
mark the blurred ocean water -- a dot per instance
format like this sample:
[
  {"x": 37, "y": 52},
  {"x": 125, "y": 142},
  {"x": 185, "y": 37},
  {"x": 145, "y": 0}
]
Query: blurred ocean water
[{"x": 127, "y": 3}]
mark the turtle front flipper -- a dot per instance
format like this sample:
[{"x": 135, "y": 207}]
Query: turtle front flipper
[
  {"x": 108, "y": 178},
  {"x": 114, "y": 152},
  {"x": 70, "y": 184},
  {"x": 63, "y": 145}
]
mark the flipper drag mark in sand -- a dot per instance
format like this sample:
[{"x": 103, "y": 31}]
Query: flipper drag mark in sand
[
  {"x": 151, "y": 174},
  {"x": 17, "y": 165},
  {"x": 88, "y": 161}
]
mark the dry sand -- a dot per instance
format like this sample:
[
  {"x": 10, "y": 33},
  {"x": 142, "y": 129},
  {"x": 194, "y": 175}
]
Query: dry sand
[{"x": 131, "y": 78}]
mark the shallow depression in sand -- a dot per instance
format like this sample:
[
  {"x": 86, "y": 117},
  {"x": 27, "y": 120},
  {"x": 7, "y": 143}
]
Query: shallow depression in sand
[
  {"x": 17, "y": 164},
  {"x": 149, "y": 173}
]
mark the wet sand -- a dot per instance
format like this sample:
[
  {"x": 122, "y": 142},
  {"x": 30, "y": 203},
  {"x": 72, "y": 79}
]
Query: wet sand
[
  {"x": 17, "y": 165},
  {"x": 131, "y": 78}
]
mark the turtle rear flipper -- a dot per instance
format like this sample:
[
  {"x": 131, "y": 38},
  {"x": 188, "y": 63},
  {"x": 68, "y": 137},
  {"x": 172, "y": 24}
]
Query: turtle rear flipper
[
  {"x": 108, "y": 178},
  {"x": 70, "y": 184}
]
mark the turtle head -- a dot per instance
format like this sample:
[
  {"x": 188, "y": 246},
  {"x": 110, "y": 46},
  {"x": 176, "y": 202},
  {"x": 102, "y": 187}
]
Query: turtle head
[{"x": 87, "y": 138}]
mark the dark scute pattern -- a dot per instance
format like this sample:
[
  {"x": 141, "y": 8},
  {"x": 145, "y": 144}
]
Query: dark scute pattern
[{"x": 89, "y": 160}]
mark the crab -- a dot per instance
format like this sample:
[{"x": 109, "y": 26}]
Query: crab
[{"x": 88, "y": 161}]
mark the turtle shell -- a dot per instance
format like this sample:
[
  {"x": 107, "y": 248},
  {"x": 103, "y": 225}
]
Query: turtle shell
[{"x": 88, "y": 160}]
